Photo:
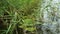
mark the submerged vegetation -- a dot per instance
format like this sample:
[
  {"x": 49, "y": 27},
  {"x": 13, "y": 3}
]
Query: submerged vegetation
[{"x": 29, "y": 17}]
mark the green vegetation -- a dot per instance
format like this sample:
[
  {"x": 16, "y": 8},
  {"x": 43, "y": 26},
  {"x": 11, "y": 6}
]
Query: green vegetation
[
  {"x": 18, "y": 16},
  {"x": 29, "y": 17}
]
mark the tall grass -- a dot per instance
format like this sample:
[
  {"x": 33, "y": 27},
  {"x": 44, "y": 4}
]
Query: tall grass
[{"x": 16, "y": 13}]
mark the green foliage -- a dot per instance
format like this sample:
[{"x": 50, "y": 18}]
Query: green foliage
[{"x": 22, "y": 12}]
